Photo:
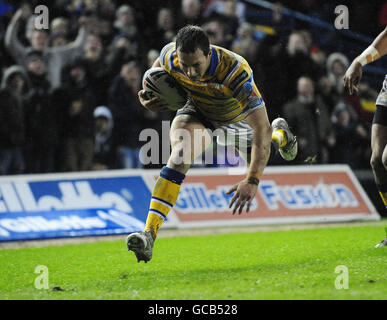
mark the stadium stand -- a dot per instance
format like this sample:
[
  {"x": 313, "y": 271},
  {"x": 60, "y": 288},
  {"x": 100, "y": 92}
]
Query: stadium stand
[{"x": 90, "y": 42}]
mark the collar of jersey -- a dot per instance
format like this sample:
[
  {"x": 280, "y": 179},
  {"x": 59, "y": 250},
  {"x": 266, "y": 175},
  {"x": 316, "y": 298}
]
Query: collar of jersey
[{"x": 214, "y": 62}]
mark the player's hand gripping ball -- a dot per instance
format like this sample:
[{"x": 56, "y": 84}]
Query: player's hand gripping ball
[{"x": 158, "y": 83}]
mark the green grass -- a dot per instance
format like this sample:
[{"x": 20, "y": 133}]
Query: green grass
[{"x": 264, "y": 265}]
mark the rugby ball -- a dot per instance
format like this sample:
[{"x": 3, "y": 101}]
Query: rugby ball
[{"x": 159, "y": 83}]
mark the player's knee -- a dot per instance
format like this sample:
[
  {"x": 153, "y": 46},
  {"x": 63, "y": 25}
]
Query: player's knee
[
  {"x": 180, "y": 157},
  {"x": 376, "y": 162},
  {"x": 384, "y": 161},
  {"x": 183, "y": 121}
]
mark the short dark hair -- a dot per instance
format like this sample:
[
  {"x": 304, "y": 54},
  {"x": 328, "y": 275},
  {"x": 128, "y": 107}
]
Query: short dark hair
[
  {"x": 190, "y": 38},
  {"x": 33, "y": 54}
]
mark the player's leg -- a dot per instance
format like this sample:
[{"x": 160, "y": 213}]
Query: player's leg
[
  {"x": 379, "y": 155},
  {"x": 283, "y": 141},
  {"x": 379, "y": 158},
  {"x": 185, "y": 148},
  {"x": 379, "y": 163},
  {"x": 378, "y": 146}
]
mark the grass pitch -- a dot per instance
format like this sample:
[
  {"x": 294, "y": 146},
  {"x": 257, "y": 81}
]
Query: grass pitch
[{"x": 296, "y": 264}]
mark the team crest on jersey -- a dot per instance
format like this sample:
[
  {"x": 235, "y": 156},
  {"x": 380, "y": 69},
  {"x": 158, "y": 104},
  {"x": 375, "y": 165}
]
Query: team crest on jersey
[{"x": 246, "y": 91}]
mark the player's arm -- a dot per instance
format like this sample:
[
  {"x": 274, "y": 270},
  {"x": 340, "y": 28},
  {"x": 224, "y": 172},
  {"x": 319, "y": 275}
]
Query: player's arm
[
  {"x": 354, "y": 73},
  {"x": 260, "y": 151},
  {"x": 246, "y": 190},
  {"x": 156, "y": 64},
  {"x": 154, "y": 104}
]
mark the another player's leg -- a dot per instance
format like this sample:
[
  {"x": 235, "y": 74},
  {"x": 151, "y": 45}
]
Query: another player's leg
[
  {"x": 379, "y": 163},
  {"x": 184, "y": 150},
  {"x": 284, "y": 140}
]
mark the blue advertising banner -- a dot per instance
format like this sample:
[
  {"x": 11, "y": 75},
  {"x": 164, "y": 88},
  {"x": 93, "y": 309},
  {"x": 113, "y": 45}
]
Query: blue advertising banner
[
  {"x": 60, "y": 207},
  {"x": 71, "y": 223}
]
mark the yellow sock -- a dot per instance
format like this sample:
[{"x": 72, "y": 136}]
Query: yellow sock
[
  {"x": 383, "y": 193},
  {"x": 384, "y": 197},
  {"x": 279, "y": 136},
  {"x": 164, "y": 196}
]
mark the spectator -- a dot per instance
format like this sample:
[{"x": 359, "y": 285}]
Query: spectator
[
  {"x": 12, "y": 129},
  {"x": 128, "y": 114},
  {"x": 308, "y": 39},
  {"x": 280, "y": 23},
  {"x": 350, "y": 135},
  {"x": 56, "y": 57},
  {"x": 90, "y": 7},
  {"x": 106, "y": 32},
  {"x": 217, "y": 33},
  {"x": 122, "y": 51},
  {"x": 105, "y": 149},
  {"x": 297, "y": 56},
  {"x": 279, "y": 48},
  {"x": 130, "y": 118},
  {"x": 126, "y": 22},
  {"x": 97, "y": 68},
  {"x": 165, "y": 30},
  {"x": 27, "y": 24},
  {"x": 319, "y": 57},
  {"x": 57, "y": 40},
  {"x": 382, "y": 19},
  {"x": 40, "y": 118},
  {"x": 329, "y": 97},
  {"x": 189, "y": 14},
  {"x": 59, "y": 26},
  {"x": 231, "y": 12},
  {"x": 92, "y": 49},
  {"x": 309, "y": 119},
  {"x": 76, "y": 101},
  {"x": 363, "y": 102},
  {"x": 337, "y": 63},
  {"x": 284, "y": 67},
  {"x": 245, "y": 44},
  {"x": 275, "y": 24}
]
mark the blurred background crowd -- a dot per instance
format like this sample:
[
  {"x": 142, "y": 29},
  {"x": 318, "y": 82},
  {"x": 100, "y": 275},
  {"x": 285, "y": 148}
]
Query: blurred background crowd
[{"x": 68, "y": 96}]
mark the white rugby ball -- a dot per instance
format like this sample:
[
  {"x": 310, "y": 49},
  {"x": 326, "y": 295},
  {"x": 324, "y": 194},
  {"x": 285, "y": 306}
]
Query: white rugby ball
[{"x": 157, "y": 82}]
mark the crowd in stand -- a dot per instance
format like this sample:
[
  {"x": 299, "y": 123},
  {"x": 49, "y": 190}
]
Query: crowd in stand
[{"x": 68, "y": 96}]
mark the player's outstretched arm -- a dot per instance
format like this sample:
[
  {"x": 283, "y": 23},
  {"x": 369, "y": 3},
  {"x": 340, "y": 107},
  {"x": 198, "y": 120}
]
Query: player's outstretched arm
[
  {"x": 246, "y": 190},
  {"x": 377, "y": 49}
]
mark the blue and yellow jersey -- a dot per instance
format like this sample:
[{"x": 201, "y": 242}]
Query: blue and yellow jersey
[{"x": 227, "y": 92}]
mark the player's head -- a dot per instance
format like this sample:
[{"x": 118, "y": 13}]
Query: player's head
[{"x": 193, "y": 51}]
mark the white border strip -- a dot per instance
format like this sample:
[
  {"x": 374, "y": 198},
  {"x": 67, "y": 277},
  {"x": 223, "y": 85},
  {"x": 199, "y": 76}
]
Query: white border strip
[{"x": 280, "y": 220}]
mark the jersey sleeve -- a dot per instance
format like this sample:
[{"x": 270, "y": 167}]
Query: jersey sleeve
[
  {"x": 242, "y": 85},
  {"x": 166, "y": 56}
]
